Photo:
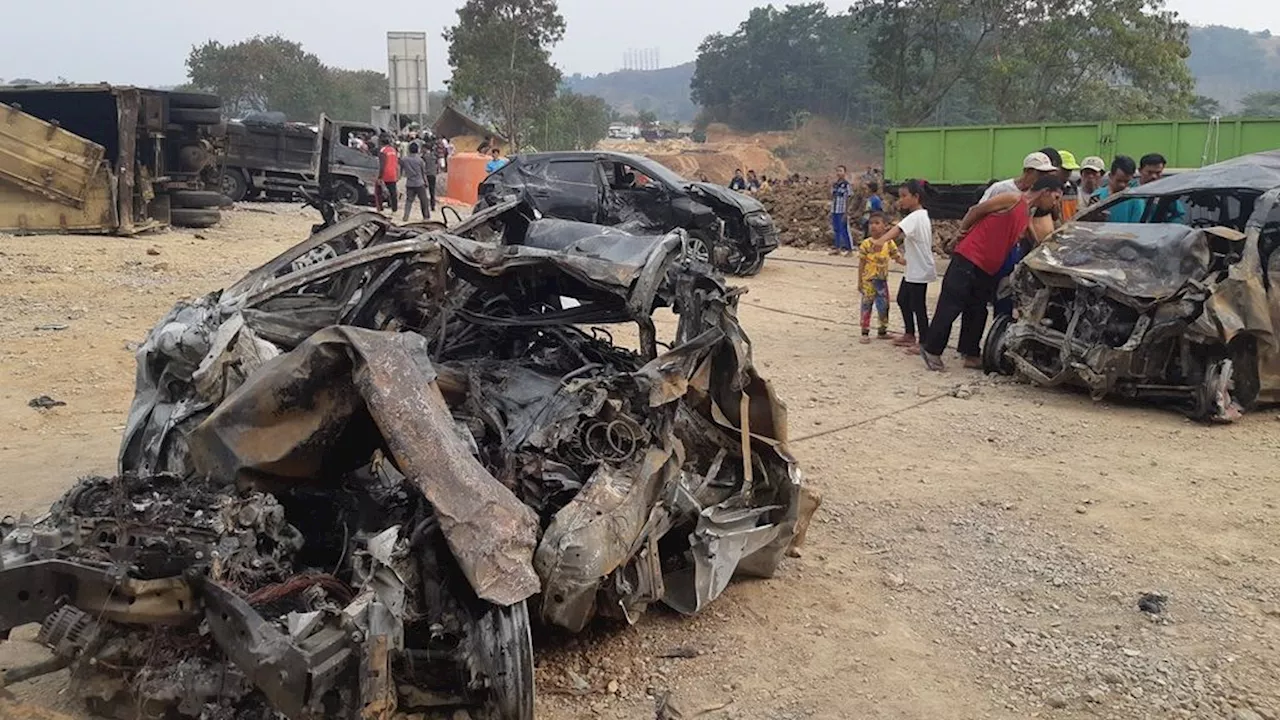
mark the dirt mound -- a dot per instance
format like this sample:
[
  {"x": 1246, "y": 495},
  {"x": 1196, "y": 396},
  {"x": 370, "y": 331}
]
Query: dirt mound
[
  {"x": 715, "y": 160},
  {"x": 803, "y": 215}
]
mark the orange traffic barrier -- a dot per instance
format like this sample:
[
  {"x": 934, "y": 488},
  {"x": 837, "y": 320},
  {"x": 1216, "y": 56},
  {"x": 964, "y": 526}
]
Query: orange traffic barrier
[{"x": 466, "y": 172}]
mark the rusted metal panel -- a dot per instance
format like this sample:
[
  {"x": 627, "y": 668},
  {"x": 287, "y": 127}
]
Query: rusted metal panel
[
  {"x": 41, "y": 158},
  {"x": 128, "y": 102}
]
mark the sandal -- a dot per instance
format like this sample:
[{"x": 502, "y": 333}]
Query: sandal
[{"x": 933, "y": 362}]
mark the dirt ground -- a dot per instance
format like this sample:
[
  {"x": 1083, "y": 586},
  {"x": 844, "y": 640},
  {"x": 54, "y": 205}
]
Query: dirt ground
[{"x": 980, "y": 552}]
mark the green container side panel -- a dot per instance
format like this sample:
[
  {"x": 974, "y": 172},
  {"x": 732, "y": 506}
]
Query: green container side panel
[
  {"x": 1011, "y": 145},
  {"x": 1258, "y": 136},
  {"x": 919, "y": 154},
  {"x": 968, "y": 153},
  {"x": 976, "y": 155}
]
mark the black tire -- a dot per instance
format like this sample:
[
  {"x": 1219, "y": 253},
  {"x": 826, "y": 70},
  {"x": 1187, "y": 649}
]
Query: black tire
[
  {"x": 194, "y": 101},
  {"x": 506, "y": 655},
  {"x": 194, "y": 116},
  {"x": 234, "y": 184},
  {"x": 194, "y": 217},
  {"x": 196, "y": 199},
  {"x": 345, "y": 191},
  {"x": 1245, "y": 382},
  {"x": 994, "y": 361}
]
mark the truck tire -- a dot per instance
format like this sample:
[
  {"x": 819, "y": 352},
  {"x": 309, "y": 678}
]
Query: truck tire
[
  {"x": 346, "y": 191},
  {"x": 194, "y": 217},
  {"x": 234, "y": 184},
  {"x": 195, "y": 199},
  {"x": 195, "y": 116},
  {"x": 195, "y": 100}
]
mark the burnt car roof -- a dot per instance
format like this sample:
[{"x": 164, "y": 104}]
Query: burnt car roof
[{"x": 1259, "y": 171}]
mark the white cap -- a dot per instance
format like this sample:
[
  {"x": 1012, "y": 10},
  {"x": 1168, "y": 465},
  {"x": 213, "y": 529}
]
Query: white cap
[
  {"x": 1093, "y": 162},
  {"x": 1038, "y": 161}
]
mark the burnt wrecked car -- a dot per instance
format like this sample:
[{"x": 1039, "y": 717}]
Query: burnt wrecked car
[
  {"x": 1180, "y": 307},
  {"x": 349, "y": 479},
  {"x": 643, "y": 197}
]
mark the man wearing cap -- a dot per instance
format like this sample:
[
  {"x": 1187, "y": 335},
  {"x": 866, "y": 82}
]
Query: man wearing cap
[
  {"x": 1091, "y": 171},
  {"x": 1070, "y": 196},
  {"x": 1034, "y": 166}
]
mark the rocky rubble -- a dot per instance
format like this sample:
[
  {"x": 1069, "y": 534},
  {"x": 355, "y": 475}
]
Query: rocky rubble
[{"x": 803, "y": 216}]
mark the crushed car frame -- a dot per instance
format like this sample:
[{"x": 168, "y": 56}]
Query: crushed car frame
[
  {"x": 347, "y": 479},
  {"x": 1180, "y": 308}
]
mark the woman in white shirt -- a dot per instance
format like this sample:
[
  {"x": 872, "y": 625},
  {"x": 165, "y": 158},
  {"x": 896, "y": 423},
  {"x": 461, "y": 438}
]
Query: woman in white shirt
[{"x": 914, "y": 235}]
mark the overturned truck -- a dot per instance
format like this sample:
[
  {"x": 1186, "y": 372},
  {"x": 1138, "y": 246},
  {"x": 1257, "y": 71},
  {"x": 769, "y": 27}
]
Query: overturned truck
[{"x": 349, "y": 479}]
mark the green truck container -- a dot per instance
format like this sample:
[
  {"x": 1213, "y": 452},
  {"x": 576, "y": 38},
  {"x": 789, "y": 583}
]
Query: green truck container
[{"x": 961, "y": 161}]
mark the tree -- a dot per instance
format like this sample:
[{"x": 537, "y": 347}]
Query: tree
[
  {"x": 1028, "y": 60},
  {"x": 500, "y": 52},
  {"x": 647, "y": 119},
  {"x": 1204, "y": 107},
  {"x": 1261, "y": 104},
  {"x": 780, "y": 61},
  {"x": 261, "y": 73},
  {"x": 571, "y": 122}
]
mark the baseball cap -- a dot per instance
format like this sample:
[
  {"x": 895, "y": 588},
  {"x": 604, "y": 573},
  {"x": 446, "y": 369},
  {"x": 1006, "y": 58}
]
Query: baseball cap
[
  {"x": 1093, "y": 162},
  {"x": 1068, "y": 160},
  {"x": 1039, "y": 162}
]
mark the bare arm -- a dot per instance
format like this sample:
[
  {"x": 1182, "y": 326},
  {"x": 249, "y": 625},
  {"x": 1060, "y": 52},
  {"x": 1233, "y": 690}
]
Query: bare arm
[{"x": 999, "y": 203}]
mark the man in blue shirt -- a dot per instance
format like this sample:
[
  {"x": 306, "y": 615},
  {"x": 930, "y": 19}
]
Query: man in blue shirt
[
  {"x": 1123, "y": 168},
  {"x": 496, "y": 163}
]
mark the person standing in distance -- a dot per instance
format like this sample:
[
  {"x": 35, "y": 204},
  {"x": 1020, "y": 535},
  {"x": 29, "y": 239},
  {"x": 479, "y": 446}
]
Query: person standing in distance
[{"x": 840, "y": 193}]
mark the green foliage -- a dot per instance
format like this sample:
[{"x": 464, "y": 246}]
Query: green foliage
[
  {"x": 500, "y": 52},
  {"x": 647, "y": 119},
  {"x": 1028, "y": 61},
  {"x": 570, "y": 122},
  {"x": 781, "y": 61},
  {"x": 272, "y": 73},
  {"x": 1204, "y": 107},
  {"x": 1261, "y": 104}
]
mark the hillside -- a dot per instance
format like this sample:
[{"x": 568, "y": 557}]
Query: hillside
[
  {"x": 1229, "y": 63},
  {"x": 664, "y": 91}
]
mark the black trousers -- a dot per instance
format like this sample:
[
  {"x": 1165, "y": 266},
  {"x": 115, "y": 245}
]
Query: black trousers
[
  {"x": 966, "y": 290},
  {"x": 914, "y": 307},
  {"x": 431, "y": 187}
]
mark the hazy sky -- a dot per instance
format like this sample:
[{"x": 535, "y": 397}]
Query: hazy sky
[{"x": 145, "y": 42}]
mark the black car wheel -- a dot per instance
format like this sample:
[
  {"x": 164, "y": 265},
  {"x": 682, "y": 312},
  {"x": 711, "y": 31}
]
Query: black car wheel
[
  {"x": 505, "y": 654},
  {"x": 194, "y": 116},
  {"x": 194, "y": 217},
  {"x": 194, "y": 100},
  {"x": 195, "y": 199},
  {"x": 234, "y": 184},
  {"x": 994, "y": 361},
  {"x": 345, "y": 191}
]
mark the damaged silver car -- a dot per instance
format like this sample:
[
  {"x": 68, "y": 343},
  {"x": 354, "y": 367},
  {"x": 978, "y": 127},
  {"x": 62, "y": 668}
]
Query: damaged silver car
[
  {"x": 1180, "y": 308},
  {"x": 349, "y": 479}
]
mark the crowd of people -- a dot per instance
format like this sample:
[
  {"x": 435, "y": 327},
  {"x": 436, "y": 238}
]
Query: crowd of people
[
  {"x": 1012, "y": 217},
  {"x": 416, "y": 157}
]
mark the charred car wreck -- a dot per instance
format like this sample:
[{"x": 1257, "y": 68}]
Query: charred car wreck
[
  {"x": 636, "y": 194},
  {"x": 349, "y": 479},
  {"x": 1179, "y": 308}
]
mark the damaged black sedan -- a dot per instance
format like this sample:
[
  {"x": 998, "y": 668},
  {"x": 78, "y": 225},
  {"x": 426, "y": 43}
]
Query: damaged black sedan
[
  {"x": 1180, "y": 308},
  {"x": 643, "y": 197},
  {"x": 348, "y": 480}
]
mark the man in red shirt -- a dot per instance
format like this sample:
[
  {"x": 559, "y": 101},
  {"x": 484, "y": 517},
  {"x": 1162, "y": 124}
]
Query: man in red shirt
[
  {"x": 388, "y": 175},
  {"x": 988, "y": 232}
]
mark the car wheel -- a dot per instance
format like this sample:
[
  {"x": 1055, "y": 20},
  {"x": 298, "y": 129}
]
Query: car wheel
[
  {"x": 195, "y": 100},
  {"x": 194, "y": 217},
  {"x": 194, "y": 116},
  {"x": 234, "y": 185},
  {"x": 195, "y": 199},
  {"x": 994, "y": 361},
  {"x": 345, "y": 191},
  {"x": 697, "y": 249},
  {"x": 505, "y": 649}
]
